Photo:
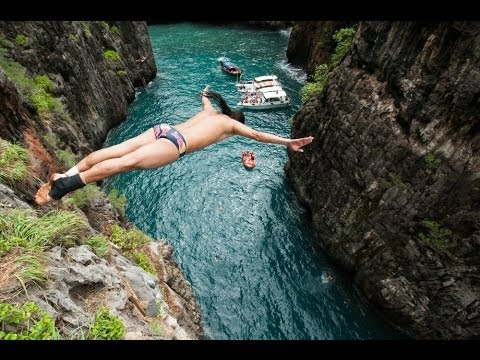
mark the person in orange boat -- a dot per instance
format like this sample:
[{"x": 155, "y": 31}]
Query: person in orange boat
[
  {"x": 248, "y": 159},
  {"x": 161, "y": 145}
]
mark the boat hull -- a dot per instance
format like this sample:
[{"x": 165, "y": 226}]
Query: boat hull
[
  {"x": 232, "y": 72},
  {"x": 263, "y": 106}
]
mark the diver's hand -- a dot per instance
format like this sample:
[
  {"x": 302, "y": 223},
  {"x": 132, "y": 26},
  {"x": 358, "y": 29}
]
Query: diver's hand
[{"x": 297, "y": 144}]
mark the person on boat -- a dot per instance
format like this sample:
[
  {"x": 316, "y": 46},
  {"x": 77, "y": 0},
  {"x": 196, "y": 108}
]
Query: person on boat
[
  {"x": 161, "y": 145},
  {"x": 248, "y": 159},
  {"x": 257, "y": 97}
]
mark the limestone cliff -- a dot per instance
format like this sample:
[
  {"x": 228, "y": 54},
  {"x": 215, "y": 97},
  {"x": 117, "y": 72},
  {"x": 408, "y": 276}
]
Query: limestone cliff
[
  {"x": 392, "y": 179},
  {"x": 63, "y": 86},
  {"x": 94, "y": 67},
  {"x": 311, "y": 43}
]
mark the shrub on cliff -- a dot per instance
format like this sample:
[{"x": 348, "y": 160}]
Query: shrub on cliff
[
  {"x": 13, "y": 162},
  {"x": 42, "y": 97},
  {"x": 315, "y": 87},
  {"x": 344, "y": 38},
  {"x": 111, "y": 54},
  {"x": 99, "y": 245},
  {"x": 131, "y": 243},
  {"x": 21, "y": 39},
  {"x": 106, "y": 326},
  {"x": 37, "y": 90},
  {"x": 27, "y": 322},
  {"x": 85, "y": 196},
  {"x": 118, "y": 200}
]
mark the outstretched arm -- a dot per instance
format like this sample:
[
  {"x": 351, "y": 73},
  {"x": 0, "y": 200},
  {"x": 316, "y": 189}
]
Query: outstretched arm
[
  {"x": 292, "y": 144},
  {"x": 206, "y": 104}
]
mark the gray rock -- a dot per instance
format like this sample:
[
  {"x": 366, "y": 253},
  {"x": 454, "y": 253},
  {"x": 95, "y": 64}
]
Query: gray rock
[
  {"x": 83, "y": 255},
  {"x": 8, "y": 199}
]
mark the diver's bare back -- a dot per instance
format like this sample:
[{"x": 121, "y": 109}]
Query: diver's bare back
[{"x": 205, "y": 128}]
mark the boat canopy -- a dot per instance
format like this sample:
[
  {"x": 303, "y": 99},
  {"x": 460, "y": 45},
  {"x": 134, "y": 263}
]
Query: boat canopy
[
  {"x": 275, "y": 94},
  {"x": 263, "y": 84},
  {"x": 266, "y": 77},
  {"x": 271, "y": 88},
  {"x": 229, "y": 65}
]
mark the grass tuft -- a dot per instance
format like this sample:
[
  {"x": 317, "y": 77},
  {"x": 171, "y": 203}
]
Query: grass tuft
[{"x": 13, "y": 162}]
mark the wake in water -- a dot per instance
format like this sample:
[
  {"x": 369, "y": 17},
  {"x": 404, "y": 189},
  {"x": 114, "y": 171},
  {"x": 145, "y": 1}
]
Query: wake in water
[
  {"x": 292, "y": 72},
  {"x": 286, "y": 32}
]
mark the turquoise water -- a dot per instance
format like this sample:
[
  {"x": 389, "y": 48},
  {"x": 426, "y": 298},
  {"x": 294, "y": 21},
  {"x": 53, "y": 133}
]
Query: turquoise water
[{"x": 241, "y": 237}]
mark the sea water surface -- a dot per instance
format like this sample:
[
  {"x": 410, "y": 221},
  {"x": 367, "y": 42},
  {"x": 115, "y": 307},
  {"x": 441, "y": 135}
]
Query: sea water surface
[{"x": 241, "y": 237}]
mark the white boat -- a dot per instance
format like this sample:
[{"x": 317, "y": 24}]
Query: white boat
[
  {"x": 257, "y": 83},
  {"x": 265, "y": 98}
]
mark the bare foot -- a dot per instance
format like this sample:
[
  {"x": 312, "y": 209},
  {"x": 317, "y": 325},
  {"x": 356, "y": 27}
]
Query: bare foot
[{"x": 42, "y": 197}]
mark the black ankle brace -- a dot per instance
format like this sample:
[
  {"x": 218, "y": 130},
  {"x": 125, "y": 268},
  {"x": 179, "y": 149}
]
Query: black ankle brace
[{"x": 64, "y": 185}]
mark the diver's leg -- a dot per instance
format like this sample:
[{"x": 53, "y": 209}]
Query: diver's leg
[
  {"x": 152, "y": 155},
  {"x": 115, "y": 151}
]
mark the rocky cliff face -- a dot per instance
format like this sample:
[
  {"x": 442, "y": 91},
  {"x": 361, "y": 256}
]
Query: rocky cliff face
[
  {"x": 393, "y": 176},
  {"x": 311, "y": 43},
  {"x": 63, "y": 86},
  {"x": 157, "y": 306},
  {"x": 94, "y": 67}
]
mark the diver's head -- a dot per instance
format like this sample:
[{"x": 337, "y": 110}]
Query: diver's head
[
  {"x": 234, "y": 114},
  {"x": 238, "y": 115}
]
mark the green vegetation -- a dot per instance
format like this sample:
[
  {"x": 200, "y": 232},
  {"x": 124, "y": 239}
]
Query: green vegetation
[
  {"x": 99, "y": 244},
  {"x": 26, "y": 323},
  {"x": 65, "y": 116},
  {"x": 44, "y": 83},
  {"x": 115, "y": 30},
  {"x": 128, "y": 240},
  {"x": 106, "y": 326},
  {"x": 431, "y": 161},
  {"x": 111, "y": 54},
  {"x": 13, "y": 162},
  {"x": 24, "y": 237},
  {"x": 106, "y": 25},
  {"x": 36, "y": 90},
  {"x": 84, "y": 196},
  {"x": 121, "y": 72},
  {"x": 131, "y": 243},
  {"x": 315, "y": 87},
  {"x": 30, "y": 269},
  {"x": 438, "y": 238},
  {"x": 54, "y": 141},
  {"x": 67, "y": 158},
  {"x": 144, "y": 262},
  {"x": 86, "y": 28},
  {"x": 156, "y": 324},
  {"x": 41, "y": 96},
  {"x": 21, "y": 39},
  {"x": 118, "y": 200},
  {"x": 73, "y": 37},
  {"x": 156, "y": 328},
  {"x": 5, "y": 43},
  {"x": 394, "y": 179},
  {"x": 57, "y": 227},
  {"x": 16, "y": 73},
  {"x": 344, "y": 38}
]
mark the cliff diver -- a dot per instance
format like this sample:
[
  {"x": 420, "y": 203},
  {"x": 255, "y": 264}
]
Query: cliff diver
[{"x": 161, "y": 145}]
